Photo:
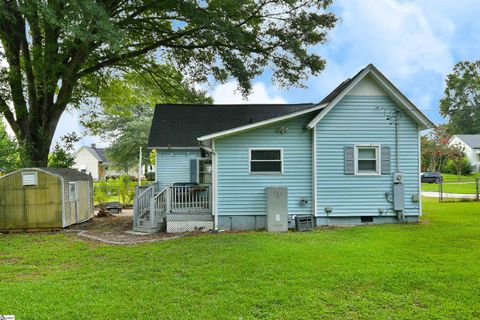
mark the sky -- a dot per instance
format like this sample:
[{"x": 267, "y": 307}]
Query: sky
[{"x": 414, "y": 43}]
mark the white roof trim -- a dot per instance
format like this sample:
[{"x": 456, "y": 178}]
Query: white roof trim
[
  {"x": 260, "y": 123},
  {"x": 391, "y": 90}
]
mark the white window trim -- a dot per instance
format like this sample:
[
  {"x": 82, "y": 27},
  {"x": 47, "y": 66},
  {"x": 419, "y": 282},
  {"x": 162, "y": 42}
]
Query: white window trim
[
  {"x": 265, "y": 172},
  {"x": 377, "y": 157},
  {"x": 76, "y": 191}
]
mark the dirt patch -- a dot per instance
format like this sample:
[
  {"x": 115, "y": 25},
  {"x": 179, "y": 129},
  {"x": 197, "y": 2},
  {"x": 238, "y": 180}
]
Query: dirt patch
[{"x": 113, "y": 230}]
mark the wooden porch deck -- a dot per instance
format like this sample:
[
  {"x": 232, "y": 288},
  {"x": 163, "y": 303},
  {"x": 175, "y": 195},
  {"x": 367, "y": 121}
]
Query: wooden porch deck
[{"x": 173, "y": 209}]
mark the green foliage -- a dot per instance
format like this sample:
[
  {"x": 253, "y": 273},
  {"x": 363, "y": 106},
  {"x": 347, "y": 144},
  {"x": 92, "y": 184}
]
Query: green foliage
[
  {"x": 428, "y": 270},
  {"x": 62, "y": 155},
  {"x": 9, "y": 151},
  {"x": 61, "y": 53},
  {"x": 435, "y": 149},
  {"x": 460, "y": 166},
  {"x": 126, "y": 111},
  {"x": 101, "y": 192},
  {"x": 461, "y": 101}
]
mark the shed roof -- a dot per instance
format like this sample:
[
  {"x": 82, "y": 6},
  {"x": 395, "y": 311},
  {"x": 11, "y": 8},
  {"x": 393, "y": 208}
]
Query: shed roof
[
  {"x": 472, "y": 140},
  {"x": 67, "y": 173},
  {"x": 179, "y": 125}
]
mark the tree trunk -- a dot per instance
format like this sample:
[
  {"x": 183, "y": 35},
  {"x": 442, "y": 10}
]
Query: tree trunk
[
  {"x": 35, "y": 150},
  {"x": 36, "y": 139}
]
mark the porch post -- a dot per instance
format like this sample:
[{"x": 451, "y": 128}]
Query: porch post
[
  {"x": 152, "y": 211},
  {"x": 168, "y": 199}
]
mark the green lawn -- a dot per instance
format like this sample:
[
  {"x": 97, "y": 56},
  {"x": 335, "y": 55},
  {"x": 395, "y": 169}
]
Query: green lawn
[
  {"x": 455, "y": 178},
  {"x": 429, "y": 270},
  {"x": 464, "y": 188}
]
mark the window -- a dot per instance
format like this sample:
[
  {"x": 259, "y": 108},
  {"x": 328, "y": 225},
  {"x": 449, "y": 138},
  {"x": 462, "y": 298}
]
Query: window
[
  {"x": 205, "y": 171},
  {"x": 29, "y": 178},
  {"x": 367, "y": 161},
  {"x": 266, "y": 161},
  {"x": 72, "y": 191}
]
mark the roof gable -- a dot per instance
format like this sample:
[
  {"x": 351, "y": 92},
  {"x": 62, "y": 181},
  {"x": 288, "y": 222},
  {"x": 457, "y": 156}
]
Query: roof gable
[
  {"x": 97, "y": 153},
  {"x": 384, "y": 84}
]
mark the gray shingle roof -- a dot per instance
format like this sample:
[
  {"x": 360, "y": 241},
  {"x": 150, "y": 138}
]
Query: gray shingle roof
[
  {"x": 71, "y": 174},
  {"x": 472, "y": 140},
  {"x": 180, "y": 125}
]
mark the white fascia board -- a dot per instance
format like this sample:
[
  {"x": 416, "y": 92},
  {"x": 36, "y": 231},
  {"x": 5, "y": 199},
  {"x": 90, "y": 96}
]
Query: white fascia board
[
  {"x": 260, "y": 123},
  {"x": 391, "y": 90}
]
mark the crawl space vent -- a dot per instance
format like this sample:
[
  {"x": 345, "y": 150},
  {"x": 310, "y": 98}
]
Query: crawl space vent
[{"x": 366, "y": 219}]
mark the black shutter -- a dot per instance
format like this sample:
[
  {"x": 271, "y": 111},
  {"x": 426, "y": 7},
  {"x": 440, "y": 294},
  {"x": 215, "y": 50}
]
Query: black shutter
[
  {"x": 193, "y": 170},
  {"x": 349, "y": 159},
  {"x": 386, "y": 161}
]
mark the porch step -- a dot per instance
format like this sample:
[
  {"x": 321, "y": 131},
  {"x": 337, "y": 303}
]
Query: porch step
[{"x": 148, "y": 228}]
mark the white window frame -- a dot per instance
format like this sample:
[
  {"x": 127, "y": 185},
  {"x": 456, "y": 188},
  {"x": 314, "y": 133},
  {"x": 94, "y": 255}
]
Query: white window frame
[
  {"x": 378, "y": 159},
  {"x": 265, "y": 172},
  {"x": 70, "y": 198}
]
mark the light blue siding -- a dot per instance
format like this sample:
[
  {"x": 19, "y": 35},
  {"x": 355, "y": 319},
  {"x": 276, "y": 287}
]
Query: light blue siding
[
  {"x": 174, "y": 166},
  {"x": 358, "y": 120},
  {"x": 241, "y": 193}
]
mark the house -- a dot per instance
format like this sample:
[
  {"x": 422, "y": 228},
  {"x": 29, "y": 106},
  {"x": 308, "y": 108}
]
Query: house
[
  {"x": 471, "y": 146},
  {"x": 44, "y": 198},
  {"x": 352, "y": 158},
  {"x": 93, "y": 161}
]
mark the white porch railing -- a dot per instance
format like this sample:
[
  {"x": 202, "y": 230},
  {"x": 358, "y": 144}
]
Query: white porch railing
[
  {"x": 141, "y": 205},
  {"x": 151, "y": 206},
  {"x": 190, "y": 199}
]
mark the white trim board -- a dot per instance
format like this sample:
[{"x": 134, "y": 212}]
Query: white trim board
[
  {"x": 395, "y": 94},
  {"x": 260, "y": 123}
]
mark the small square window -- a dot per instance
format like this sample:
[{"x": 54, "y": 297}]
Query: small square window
[
  {"x": 266, "y": 160},
  {"x": 367, "y": 161}
]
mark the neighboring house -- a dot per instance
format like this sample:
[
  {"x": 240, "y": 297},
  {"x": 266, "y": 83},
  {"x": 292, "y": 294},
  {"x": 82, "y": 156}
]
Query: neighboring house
[
  {"x": 471, "y": 145},
  {"x": 339, "y": 160},
  {"x": 92, "y": 160}
]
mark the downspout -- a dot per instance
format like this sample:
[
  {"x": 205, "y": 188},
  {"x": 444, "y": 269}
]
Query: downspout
[{"x": 214, "y": 183}]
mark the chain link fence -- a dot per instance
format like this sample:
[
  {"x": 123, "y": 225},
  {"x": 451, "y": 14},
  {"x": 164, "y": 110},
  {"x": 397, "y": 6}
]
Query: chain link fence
[{"x": 452, "y": 191}]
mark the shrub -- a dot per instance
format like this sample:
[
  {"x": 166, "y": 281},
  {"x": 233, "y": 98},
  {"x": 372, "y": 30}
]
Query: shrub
[{"x": 452, "y": 167}]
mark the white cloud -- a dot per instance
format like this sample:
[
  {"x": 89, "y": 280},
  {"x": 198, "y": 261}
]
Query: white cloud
[
  {"x": 228, "y": 94},
  {"x": 397, "y": 36}
]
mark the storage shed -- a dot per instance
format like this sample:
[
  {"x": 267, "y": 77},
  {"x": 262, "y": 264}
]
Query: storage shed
[{"x": 45, "y": 198}]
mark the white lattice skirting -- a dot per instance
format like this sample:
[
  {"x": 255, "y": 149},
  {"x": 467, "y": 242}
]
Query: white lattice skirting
[{"x": 189, "y": 226}]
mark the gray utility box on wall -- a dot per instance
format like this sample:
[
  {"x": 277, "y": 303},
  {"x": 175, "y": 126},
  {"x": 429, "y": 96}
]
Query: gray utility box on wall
[
  {"x": 398, "y": 197},
  {"x": 277, "y": 209}
]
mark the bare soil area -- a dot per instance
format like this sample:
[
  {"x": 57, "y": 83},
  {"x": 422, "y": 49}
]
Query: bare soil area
[{"x": 117, "y": 229}]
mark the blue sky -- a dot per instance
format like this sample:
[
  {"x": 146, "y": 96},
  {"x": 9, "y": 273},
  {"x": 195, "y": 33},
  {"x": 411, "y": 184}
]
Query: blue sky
[{"x": 414, "y": 43}]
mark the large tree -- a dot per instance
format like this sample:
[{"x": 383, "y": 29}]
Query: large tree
[
  {"x": 461, "y": 101},
  {"x": 54, "y": 50},
  {"x": 9, "y": 150},
  {"x": 122, "y": 113}
]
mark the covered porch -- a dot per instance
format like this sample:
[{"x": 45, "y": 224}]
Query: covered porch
[{"x": 180, "y": 207}]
